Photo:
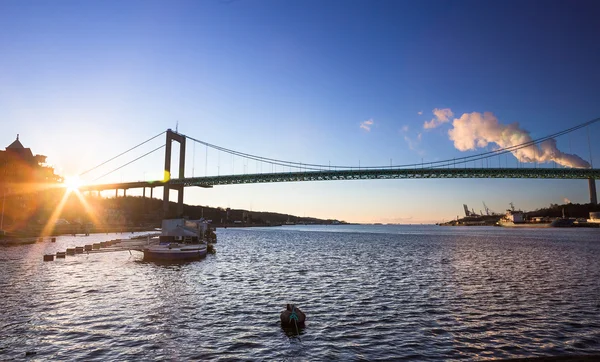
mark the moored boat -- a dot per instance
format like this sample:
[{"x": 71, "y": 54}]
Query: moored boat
[
  {"x": 562, "y": 222},
  {"x": 180, "y": 240},
  {"x": 175, "y": 251},
  {"x": 512, "y": 218},
  {"x": 516, "y": 219}
]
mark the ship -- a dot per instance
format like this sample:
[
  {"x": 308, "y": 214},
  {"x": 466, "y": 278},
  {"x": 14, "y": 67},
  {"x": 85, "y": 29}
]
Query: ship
[{"x": 516, "y": 218}]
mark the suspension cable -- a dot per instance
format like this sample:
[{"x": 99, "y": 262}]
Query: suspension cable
[
  {"x": 121, "y": 154},
  {"x": 442, "y": 163},
  {"x": 130, "y": 162},
  {"x": 318, "y": 167}
]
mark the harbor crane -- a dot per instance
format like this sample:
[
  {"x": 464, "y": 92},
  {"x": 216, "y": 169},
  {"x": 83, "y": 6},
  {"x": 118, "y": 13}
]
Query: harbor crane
[
  {"x": 467, "y": 212},
  {"x": 487, "y": 210}
]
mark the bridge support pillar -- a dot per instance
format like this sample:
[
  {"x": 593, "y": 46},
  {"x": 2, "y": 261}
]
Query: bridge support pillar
[
  {"x": 592, "y": 184},
  {"x": 173, "y": 136}
]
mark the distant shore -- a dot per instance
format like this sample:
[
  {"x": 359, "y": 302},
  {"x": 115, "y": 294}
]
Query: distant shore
[
  {"x": 494, "y": 222},
  {"x": 580, "y": 214}
]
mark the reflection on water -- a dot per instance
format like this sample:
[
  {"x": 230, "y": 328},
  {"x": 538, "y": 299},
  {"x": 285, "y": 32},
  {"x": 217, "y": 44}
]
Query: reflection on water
[{"x": 422, "y": 293}]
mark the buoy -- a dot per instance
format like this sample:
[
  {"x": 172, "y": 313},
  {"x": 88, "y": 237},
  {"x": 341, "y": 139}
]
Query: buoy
[
  {"x": 88, "y": 247},
  {"x": 60, "y": 254},
  {"x": 79, "y": 250},
  {"x": 70, "y": 251},
  {"x": 292, "y": 316},
  {"x": 53, "y": 240},
  {"x": 48, "y": 257}
]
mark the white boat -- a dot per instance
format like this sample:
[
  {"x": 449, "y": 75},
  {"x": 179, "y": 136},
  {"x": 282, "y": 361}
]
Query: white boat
[
  {"x": 512, "y": 218},
  {"x": 516, "y": 219},
  {"x": 180, "y": 240}
]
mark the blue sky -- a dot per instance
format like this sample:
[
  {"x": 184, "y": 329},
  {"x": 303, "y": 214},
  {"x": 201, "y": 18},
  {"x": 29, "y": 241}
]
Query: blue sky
[{"x": 294, "y": 80}]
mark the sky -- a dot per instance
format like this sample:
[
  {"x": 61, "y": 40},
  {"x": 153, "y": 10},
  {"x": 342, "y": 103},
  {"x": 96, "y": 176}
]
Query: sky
[{"x": 356, "y": 83}]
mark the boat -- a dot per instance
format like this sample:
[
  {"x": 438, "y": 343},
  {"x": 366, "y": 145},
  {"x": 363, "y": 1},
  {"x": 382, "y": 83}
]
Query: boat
[
  {"x": 180, "y": 240},
  {"x": 563, "y": 221},
  {"x": 512, "y": 218},
  {"x": 516, "y": 219}
]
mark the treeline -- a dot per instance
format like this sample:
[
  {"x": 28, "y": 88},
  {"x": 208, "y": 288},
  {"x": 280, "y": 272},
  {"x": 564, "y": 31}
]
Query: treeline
[
  {"x": 145, "y": 211},
  {"x": 570, "y": 210}
]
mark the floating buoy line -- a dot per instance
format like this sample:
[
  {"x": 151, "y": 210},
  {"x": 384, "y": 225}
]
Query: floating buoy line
[{"x": 110, "y": 246}]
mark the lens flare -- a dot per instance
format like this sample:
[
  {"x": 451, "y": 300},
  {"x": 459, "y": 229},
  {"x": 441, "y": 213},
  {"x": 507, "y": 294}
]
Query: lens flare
[{"x": 73, "y": 183}]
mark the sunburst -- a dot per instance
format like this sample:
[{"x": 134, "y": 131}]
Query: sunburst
[{"x": 71, "y": 186}]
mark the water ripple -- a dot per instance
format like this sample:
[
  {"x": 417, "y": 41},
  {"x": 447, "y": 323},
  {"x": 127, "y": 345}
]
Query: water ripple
[{"x": 370, "y": 293}]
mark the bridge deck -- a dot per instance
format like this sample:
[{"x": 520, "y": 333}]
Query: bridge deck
[{"x": 369, "y": 174}]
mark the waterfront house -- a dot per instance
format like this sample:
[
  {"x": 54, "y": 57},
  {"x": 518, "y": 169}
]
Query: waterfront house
[{"x": 23, "y": 176}]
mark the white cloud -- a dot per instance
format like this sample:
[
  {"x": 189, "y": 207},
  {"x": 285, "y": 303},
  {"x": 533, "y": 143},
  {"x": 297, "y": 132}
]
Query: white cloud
[
  {"x": 414, "y": 143},
  {"x": 366, "y": 125},
  {"x": 404, "y": 128},
  {"x": 443, "y": 115},
  {"x": 420, "y": 113},
  {"x": 440, "y": 116},
  {"x": 566, "y": 201}
]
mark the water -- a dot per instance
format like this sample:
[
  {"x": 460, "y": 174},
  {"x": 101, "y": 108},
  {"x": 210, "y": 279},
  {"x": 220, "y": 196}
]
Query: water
[{"x": 369, "y": 292}]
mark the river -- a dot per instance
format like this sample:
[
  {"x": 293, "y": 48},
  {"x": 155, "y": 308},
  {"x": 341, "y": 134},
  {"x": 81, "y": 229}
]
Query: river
[{"x": 369, "y": 292}]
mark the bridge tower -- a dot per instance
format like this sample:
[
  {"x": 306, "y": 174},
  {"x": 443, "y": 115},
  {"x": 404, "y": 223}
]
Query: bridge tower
[
  {"x": 174, "y": 136},
  {"x": 593, "y": 198}
]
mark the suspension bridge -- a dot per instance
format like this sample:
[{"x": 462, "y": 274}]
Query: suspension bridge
[{"x": 302, "y": 172}]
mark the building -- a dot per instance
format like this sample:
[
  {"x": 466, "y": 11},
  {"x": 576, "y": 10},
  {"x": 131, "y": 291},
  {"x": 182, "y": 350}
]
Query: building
[
  {"x": 23, "y": 180},
  {"x": 19, "y": 165}
]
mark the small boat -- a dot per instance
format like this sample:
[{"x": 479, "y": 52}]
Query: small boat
[
  {"x": 180, "y": 240},
  {"x": 563, "y": 221},
  {"x": 175, "y": 251}
]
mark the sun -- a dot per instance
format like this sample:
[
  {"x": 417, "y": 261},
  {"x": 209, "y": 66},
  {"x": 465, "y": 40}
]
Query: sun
[{"x": 73, "y": 183}]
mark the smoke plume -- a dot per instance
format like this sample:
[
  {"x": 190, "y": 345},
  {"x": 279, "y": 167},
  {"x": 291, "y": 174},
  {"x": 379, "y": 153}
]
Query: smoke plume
[{"x": 476, "y": 130}]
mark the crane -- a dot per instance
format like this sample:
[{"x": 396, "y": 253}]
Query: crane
[{"x": 487, "y": 210}]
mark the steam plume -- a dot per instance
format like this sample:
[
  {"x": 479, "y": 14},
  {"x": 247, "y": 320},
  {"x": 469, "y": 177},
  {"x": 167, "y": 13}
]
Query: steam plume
[{"x": 476, "y": 130}]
